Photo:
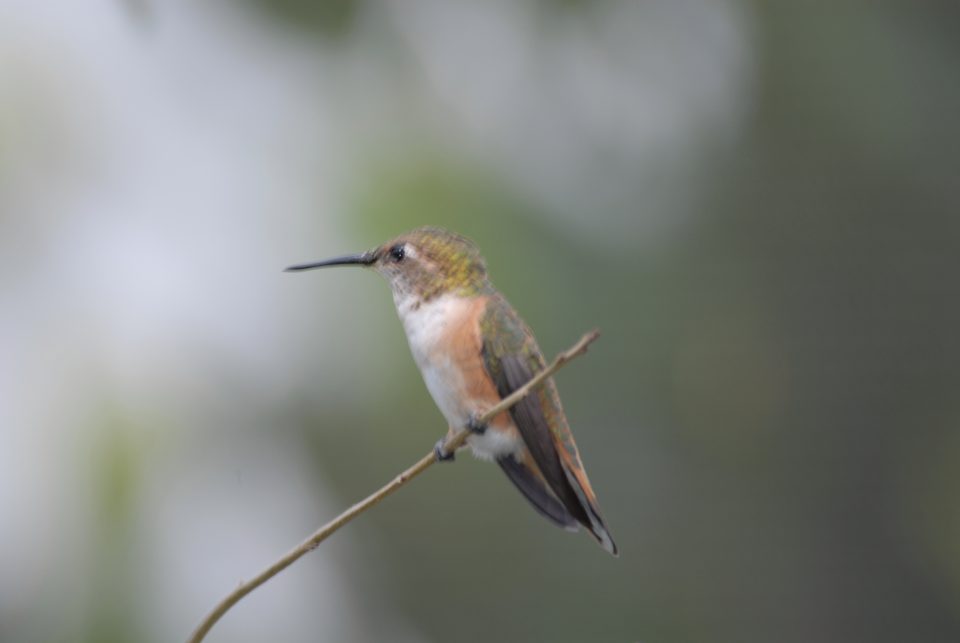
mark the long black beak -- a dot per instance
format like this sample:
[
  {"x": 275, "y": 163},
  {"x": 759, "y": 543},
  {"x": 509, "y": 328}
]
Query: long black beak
[{"x": 363, "y": 259}]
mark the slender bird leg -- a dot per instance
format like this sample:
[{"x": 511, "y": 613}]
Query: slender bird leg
[
  {"x": 440, "y": 454},
  {"x": 475, "y": 426}
]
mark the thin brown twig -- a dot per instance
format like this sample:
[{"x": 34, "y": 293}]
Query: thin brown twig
[{"x": 450, "y": 446}]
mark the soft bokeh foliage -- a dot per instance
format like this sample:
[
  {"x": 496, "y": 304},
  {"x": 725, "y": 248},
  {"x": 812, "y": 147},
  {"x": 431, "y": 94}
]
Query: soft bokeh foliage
[{"x": 757, "y": 203}]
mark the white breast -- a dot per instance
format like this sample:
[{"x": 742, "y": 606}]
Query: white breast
[{"x": 426, "y": 325}]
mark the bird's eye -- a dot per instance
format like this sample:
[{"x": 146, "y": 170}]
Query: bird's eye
[{"x": 397, "y": 253}]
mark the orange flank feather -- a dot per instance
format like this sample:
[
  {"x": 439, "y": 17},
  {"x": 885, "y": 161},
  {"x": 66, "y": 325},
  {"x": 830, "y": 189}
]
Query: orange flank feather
[{"x": 462, "y": 343}]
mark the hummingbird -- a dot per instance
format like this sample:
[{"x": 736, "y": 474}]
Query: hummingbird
[{"x": 473, "y": 349}]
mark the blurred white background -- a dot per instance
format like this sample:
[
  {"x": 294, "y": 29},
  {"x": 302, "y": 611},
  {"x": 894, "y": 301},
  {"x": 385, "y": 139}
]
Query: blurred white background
[{"x": 175, "y": 412}]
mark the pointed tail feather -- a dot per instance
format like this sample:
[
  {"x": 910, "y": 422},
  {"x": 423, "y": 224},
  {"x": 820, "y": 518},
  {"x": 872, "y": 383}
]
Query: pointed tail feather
[{"x": 596, "y": 527}]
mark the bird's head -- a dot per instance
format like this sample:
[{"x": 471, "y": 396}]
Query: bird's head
[{"x": 423, "y": 263}]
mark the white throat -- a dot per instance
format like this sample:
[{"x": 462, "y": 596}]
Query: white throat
[{"x": 425, "y": 321}]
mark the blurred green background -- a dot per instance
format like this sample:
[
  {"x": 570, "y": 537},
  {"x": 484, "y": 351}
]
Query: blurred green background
[{"x": 757, "y": 203}]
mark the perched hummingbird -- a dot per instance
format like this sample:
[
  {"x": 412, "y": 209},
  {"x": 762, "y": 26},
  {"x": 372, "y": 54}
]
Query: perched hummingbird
[{"x": 473, "y": 349}]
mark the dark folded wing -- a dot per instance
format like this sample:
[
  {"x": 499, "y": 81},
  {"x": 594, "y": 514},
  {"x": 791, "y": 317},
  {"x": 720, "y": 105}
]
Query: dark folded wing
[
  {"x": 574, "y": 494},
  {"x": 533, "y": 489}
]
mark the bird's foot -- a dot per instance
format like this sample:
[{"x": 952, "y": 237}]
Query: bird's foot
[
  {"x": 440, "y": 454},
  {"x": 474, "y": 425}
]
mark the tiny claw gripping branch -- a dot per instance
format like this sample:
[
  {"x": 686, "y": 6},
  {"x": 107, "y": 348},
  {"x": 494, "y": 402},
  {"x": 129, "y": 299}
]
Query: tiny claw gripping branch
[
  {"x": 474, "y": 425},
  {"x": 441, "y": 455}
]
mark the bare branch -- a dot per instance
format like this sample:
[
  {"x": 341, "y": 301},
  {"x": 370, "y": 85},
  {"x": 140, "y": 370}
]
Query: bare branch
[{"x": 422, "y": 465}]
